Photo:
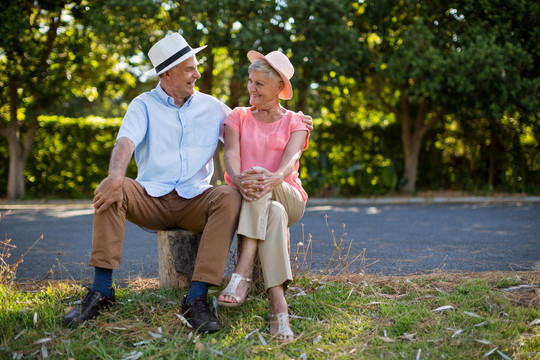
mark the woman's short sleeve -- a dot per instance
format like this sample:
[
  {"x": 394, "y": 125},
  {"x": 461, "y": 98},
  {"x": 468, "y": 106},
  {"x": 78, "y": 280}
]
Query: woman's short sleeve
[
  {"x": 297, "y": 124},
  {"x": 234, "y": 119}
]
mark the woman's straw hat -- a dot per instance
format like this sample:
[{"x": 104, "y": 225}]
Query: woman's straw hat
[{"x": 281, "y": 63}]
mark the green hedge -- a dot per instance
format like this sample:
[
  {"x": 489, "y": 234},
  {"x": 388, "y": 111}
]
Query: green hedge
[{"x": 69, "y": 158}]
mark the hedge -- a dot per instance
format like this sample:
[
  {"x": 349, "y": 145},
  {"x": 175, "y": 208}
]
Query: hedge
[{"x": 69, "y": 158}]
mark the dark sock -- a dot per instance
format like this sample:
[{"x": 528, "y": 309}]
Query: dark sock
[
  {"x": 197, "y": 289},
  {"x": 103, "y": 281}
]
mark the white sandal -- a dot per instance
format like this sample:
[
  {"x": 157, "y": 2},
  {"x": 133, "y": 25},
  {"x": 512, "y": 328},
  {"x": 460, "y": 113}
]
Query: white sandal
[
  {"x": 230, "y": 290},
  {"x": 284, "y": 329}
]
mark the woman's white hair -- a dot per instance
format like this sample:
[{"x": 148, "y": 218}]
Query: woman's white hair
[{"x": 262, "y": 65}]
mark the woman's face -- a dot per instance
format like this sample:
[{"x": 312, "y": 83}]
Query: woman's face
[{"x": 263, "y": 90}]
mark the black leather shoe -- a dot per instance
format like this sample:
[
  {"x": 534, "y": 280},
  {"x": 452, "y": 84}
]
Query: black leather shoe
[
  {"x": 89, "y": 308},
  {"x": 197, "y": 312}
]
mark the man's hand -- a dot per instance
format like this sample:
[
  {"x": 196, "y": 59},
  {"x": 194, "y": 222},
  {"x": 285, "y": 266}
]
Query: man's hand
[
  {"x": 109, "y": 192},
  {"x": 307, "y": 120}
]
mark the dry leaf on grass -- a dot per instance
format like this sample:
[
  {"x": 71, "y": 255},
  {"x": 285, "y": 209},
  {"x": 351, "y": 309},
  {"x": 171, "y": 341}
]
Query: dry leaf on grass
[
  {"x": 41, "y": 341},
  {"x": 483, "y": 323},
  {"x": 183, "y": 320},
  {"x": 134, "y": 355},
  {"x": 409, "y": 337},
  {"x": 251, "y": 333},
  {"x": 261, "y": 339},
  {"x": 485, "y": 342},
  {"x": 444, "y": 308},
  {"x": 386, "y": 339},
  {"x": 521, "y": 288},
  {"x": 490, "y": 352},
  {"x": 471, "y": 314},
  {"x": 44, "y": 352}
]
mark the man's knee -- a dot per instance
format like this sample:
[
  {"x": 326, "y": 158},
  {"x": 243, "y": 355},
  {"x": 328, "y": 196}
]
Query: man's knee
[{"x": 229, "y": 196}]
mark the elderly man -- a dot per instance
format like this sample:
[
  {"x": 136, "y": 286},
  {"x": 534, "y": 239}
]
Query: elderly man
[{"x": 173, "y": 131}]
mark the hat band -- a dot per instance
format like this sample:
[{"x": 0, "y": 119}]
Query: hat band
[{"x": 172, "y": 59}]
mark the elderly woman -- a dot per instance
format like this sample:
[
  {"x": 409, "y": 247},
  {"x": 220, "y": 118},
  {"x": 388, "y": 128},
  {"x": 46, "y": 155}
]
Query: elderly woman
[{"x": 263, "y": 145}]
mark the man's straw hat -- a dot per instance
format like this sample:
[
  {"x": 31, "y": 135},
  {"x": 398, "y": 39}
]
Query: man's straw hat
[{"x": 168, "y": 52}]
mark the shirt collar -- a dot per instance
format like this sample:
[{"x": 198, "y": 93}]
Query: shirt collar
[{"x": 168, "y": 99}]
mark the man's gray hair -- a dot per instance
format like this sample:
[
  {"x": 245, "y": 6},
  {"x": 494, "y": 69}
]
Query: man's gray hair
[{"x": 262, "y": 65}]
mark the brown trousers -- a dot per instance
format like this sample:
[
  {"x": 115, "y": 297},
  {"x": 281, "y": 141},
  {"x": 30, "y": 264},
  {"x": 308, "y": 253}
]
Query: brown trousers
[{"x": 214, "y": 213}]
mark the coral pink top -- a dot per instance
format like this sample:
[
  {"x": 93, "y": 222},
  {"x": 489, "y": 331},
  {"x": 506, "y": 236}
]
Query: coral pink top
[{"x": 263, "y": 144}]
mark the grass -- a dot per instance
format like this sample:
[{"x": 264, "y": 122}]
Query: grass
[
  {"x": 354, "y": 316},
  {"x": 340, "y": 313}
]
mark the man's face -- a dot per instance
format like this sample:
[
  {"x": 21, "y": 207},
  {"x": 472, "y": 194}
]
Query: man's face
[{"x": 180, "y": 80}]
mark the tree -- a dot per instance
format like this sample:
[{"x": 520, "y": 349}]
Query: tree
[
  {"x": 405, "y": 69},
  {"x": 431, "y": 59},
  {"x": 498, "y": 60},
  {"x": 49, "y": 54},
  {"x": 323, "y": 45}
]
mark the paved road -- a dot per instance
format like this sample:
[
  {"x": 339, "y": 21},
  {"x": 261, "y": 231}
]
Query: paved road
[{"x": 409, "y": 238}]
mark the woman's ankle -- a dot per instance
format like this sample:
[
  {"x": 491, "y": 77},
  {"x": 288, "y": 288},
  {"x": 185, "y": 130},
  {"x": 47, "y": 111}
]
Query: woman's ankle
[{"x": 278, "y": 303}]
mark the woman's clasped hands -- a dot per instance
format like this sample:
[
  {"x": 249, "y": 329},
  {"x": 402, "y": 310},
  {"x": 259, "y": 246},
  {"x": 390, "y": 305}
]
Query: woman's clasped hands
[{"x": 256, "y": 182}]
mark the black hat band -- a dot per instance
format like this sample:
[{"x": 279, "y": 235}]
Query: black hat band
[{"x": 172, "y": 59}]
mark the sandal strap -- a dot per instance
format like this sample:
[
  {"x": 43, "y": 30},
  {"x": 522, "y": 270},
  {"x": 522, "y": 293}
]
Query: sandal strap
[
  {"x": 230, "y": 290},
  {"x": 283, "y": 326}
]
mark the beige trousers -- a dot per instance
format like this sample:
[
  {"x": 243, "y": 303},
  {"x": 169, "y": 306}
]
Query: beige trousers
[
  {"x": 268, "y": 220},
  {"x": 214, "y": 213}
]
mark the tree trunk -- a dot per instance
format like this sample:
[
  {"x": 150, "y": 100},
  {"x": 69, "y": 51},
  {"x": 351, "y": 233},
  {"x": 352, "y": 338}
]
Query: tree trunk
[
  {"x": 412, "y": 137},
  {"x": 15, "y": 185},
  {"x": 207, "y": 78},
  {"x": 237, "y": 89},
  {"x": 17, "y": 147},
  {"x": 411, "y": 148},
  {"x": 18, "y": 154},
  {"x": 177, "y": 251},
  {"x": 219, "y": 165},
  {"x": 303, "y": 90}
]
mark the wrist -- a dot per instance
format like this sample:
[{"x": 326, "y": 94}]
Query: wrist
[
  {"x": 280, "y": 176},
  {"x": 116, "y": 177},
  {"x": 235, "y": 179}
]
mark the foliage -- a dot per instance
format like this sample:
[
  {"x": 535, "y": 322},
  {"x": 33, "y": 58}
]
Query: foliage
[
  {"x": 70, "y": 156},
  {"x": 462, "y": 59},
  {"x": 447, "y": 88},
  {"x": 348, "y": 317},
  {"x": 54, "y": 55},
  {"x": 458, "y": 155}
]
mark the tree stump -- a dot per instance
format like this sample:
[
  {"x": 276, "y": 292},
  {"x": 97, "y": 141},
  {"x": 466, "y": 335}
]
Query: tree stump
[{"x": 177, "y": 251}]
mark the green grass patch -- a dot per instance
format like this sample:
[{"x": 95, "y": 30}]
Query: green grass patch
[{"x": 437, "y": 316}]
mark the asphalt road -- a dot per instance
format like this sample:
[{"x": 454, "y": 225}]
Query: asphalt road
[{"x": 391, "y": 239}]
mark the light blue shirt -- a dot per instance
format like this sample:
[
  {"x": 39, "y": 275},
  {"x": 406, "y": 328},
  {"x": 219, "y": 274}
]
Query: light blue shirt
[{"x": 174, "y": 145}]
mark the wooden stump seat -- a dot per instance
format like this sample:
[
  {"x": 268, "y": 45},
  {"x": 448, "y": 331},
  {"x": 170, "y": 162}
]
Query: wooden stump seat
[{"x": 177, "y": 251}]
